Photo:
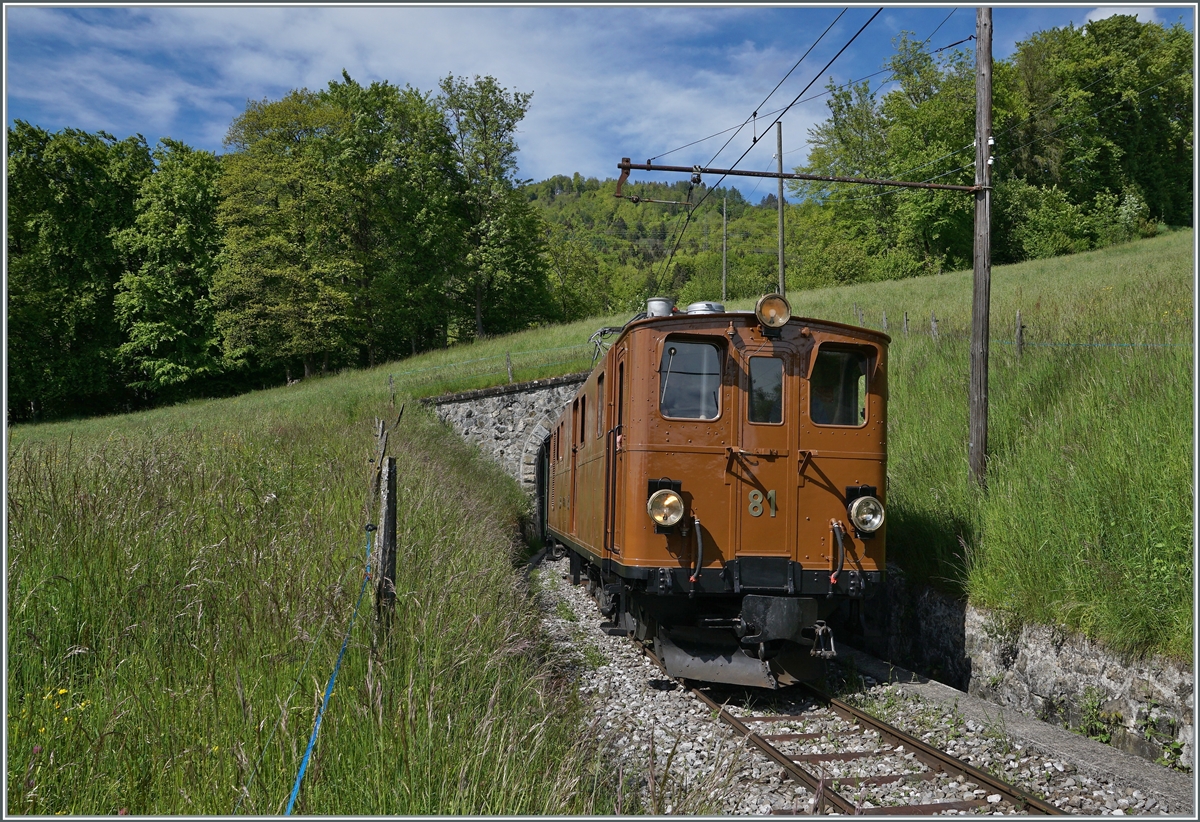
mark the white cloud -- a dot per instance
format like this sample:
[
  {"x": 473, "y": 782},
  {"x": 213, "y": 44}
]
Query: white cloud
[
  {"x": 607, "y": 82},
  {"x": 1144, "y": 14}
]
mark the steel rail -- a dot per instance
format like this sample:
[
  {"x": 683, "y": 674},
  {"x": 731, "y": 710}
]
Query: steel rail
[
  {"x": 828, "y": 797},
  {"x": 936, "y": 760}
]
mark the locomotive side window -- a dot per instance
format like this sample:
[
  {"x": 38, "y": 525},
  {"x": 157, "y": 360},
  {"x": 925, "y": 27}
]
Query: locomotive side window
[
  {"x": 766, "y": 389},
  {"x": 689, "y": 381},
  {"x": 600, "y": 406},
  {"x": 838, "y": 387}
]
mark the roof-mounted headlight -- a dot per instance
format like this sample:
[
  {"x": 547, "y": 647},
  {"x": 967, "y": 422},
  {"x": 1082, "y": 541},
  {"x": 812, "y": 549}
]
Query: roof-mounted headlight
[
  {"x": 773, "y": 311},
  {"x": 867, "y": 514},
  {"x": 665, "y": 507}
]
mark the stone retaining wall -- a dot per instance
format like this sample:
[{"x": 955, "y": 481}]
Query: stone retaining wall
[
  {"x": 1143, "y": 706},
  {"x": 509, "y": 422}
]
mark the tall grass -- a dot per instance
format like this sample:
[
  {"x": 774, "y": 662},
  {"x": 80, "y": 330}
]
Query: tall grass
[
  {"x": 170, "y": 572},
  {"x": 1087, "y": 520},
  {"x": 179, "y": 586}
]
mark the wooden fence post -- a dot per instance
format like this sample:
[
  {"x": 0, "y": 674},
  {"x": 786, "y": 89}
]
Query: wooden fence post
[
  {"x": 885, "y": 320},
  {"x": 906, "y": 323},
  {"x": 1020, "y": 341},
  {"x": 933, "y": 332},
  {"x": 508, "y": 360},
  {"x": 385, "y": 594},
  {"x": 380, "y": 449}
]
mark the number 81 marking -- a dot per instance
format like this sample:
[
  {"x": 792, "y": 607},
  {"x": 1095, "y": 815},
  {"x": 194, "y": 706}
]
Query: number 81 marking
[{"x": 756, "y": 502}]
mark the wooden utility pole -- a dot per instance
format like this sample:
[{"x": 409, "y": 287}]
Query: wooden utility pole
[
  {"x": 981, "y": 301},
  {"x": 724, "y": 246},
  {"x": 779, "y": 148}
]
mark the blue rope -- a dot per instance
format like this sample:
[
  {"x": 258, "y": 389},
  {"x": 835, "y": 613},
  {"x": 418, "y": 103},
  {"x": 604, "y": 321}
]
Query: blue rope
[
  {"x": 312, "y": 740},
  {"x": 245, "y": 792}
]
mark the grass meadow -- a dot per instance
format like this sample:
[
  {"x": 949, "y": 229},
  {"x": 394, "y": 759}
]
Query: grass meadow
[{"x": 179, "y": 581}]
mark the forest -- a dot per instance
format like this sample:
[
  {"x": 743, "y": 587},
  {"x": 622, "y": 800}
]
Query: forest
[{"x": 360, "y": 224}]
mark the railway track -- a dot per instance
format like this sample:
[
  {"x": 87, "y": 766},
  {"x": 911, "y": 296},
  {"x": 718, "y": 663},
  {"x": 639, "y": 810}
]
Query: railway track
[{"x": 853, "y": 763}]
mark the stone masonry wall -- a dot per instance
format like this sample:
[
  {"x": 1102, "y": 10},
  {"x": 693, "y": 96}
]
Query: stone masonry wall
[
  {"x": 509, "y": 422},
  {"x": 1142, "y": 706}
]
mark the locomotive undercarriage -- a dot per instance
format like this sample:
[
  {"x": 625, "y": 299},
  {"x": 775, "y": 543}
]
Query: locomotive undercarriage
[{"x": 710, "y": 633}]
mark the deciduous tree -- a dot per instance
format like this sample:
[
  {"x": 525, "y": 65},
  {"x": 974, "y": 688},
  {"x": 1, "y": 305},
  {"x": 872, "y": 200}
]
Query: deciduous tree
[
  {"x": 68, "y": 193},
  {"x": 504, "y": 265},
  {"x": 163, "y": 303}
]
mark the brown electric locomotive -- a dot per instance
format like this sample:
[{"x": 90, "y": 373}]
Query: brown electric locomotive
[{"x": 720, "y": 482}]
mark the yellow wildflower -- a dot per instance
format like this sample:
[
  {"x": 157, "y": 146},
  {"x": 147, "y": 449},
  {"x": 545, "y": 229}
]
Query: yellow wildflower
[{"x": 62, "y": 691}]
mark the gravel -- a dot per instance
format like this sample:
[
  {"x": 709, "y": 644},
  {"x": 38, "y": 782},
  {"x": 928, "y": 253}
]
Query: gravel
[{"x": 701, "y": 766}]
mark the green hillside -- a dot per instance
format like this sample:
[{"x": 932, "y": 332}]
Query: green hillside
[{"x": 170, "y": 571}]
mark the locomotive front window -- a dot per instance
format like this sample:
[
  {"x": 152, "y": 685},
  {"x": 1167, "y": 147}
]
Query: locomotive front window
[
  {"x": 837, "y": 389},
  {"x": 766, "y": 389},
  {"x": 689, "y": 380}
]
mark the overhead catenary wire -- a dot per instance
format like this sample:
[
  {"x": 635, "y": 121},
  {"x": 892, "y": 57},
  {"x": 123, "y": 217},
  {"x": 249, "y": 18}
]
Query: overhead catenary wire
[
  {"x": 889, "y": 78},
  {"x": 709, "y": 190},
  {"x": 1080, "y": 121},
  {"x": 790, "y": 105},
  {"x": 754, "y": 116},
  {"x": 1072, "y": 124},
  {"x": 845, "y": 85},
  {"x": 1096, "y": 113},
  {"x": 997, "y": 134}
]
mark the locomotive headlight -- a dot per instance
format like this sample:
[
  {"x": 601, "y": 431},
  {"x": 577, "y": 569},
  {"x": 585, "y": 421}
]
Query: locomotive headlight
[
  {"x": 867, "y": 514},
  {"x": 773, "y": 311},
  {"x": 665, "y": 507}
]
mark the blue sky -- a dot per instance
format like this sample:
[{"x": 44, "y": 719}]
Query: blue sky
[{"x": 607, "y": 81}]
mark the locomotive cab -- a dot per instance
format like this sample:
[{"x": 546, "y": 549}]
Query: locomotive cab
[{"x": 720, "y": 480}]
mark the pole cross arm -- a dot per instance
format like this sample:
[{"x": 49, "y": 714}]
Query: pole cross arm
[{"x": 625, "y": 166}]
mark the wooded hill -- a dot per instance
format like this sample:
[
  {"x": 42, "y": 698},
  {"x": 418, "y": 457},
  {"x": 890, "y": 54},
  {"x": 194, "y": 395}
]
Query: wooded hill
[
  {"x": 359, "y": 224},
  {"x": 1093, "y": 130}
]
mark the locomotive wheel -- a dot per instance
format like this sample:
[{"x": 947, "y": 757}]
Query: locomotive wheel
[{"x": 557, "y": 551}]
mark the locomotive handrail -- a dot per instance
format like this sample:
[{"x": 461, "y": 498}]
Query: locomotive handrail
[
  {"x": 610, "y": 488},
  {"x": 756, "y": 452}
]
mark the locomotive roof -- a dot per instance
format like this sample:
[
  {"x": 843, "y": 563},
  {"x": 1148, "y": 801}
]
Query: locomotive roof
[{"x": 743, "y": 315}]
